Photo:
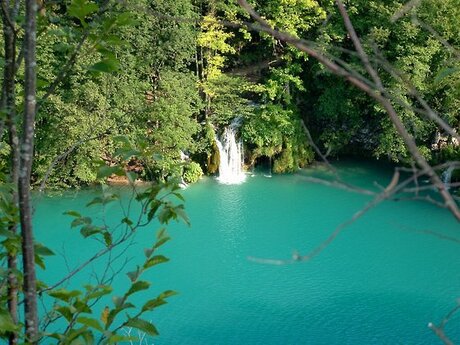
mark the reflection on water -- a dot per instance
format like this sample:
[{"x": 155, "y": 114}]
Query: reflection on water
[{"x": 230, "y": 211}]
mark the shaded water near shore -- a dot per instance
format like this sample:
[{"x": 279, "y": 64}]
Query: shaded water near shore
[{"x": 380, "y": 282}]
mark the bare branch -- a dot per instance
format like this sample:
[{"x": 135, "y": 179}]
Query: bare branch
[
  {"x": 427, "y": 111},
  {"x": 416, "y": 20},
  {"x": 317, "y": 150},
  {"x": 377, "y": 94},
  {"x": 387, "y": 193},
  {"x": 338, "y": 184},
  {"x": 439, "y": 330},
  {"x": 405, "y": 9}
]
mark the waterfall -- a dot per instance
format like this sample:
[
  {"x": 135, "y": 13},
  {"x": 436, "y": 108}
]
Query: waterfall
[
  {"x": 447, "y": 176},
  {"x": 269, "y": 167},
  {"x": 183, "y": 184},
  {"x": 183, "y": 156},
  {"x": 231, "y": 156}
]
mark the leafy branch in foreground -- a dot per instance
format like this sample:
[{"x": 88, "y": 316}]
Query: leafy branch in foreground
[{"x": 75, "y": 306}]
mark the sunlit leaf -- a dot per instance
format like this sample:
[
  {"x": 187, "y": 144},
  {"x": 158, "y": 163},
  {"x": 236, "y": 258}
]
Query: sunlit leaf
[
  {"x": 81, "y": 9},
  {"x": 105, "y": 66},
  {"x": 156, "y": 260},
  {"x": 138, "y": 286},
  {"x": 93, "y": 323},
  {"x": 64, "y": 294},
  {"x": 143, "y": 326}
]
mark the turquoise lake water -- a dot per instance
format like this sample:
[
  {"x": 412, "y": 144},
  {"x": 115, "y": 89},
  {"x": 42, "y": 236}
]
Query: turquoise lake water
[{"x": 380, "y": 282}]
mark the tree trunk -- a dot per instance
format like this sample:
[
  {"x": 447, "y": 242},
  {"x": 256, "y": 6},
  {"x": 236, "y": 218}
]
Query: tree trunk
[
  {"x": 9, "y": 107},
  {"x": 27, "y": 150}
]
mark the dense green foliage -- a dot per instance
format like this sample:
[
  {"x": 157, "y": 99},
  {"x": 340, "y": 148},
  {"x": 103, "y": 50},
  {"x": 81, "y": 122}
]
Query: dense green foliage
[{"x": 345, "y": 120}]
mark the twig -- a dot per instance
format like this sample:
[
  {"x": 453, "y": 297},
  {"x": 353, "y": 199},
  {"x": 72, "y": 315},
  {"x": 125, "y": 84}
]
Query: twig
[
  {"x": 439, "y": 330},
  {"x": 339, "y": 185},
  {"x": 405, "y": 9},
  {"x": 390, "y": 190},
  {"x": 318, "y": 151},
  {"x": 377, "y": 94}
]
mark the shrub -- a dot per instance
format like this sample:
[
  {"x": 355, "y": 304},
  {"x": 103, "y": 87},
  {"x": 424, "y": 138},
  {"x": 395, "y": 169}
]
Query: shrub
[{"x": 192, "y": 172}]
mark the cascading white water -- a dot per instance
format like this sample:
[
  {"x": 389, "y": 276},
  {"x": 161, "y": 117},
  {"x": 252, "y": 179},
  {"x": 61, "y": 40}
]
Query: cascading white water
[
  {"x": 447, "y": 176},
  {"x": 231, "y": 157}
]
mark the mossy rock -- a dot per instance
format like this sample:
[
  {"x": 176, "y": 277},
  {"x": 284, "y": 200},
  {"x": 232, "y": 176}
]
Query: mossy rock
[{"x": 213, "y": 160}]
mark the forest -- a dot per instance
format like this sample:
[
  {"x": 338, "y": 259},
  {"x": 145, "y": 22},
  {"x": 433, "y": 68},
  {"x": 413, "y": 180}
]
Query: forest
[
  {"x": 117, "y": 92},
  {"x": 169, "y": 75}
]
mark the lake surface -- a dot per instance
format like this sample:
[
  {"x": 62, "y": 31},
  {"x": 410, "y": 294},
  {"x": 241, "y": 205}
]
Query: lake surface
[{"x": 380, "y": 282}]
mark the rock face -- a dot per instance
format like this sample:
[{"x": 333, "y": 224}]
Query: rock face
[{"x": 213, "y": 160}]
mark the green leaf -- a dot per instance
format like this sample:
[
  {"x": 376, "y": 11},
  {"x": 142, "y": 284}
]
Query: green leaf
[
  {"x": 126, "y": 153},
  {"x": 42, "y": 83},
  {"x": 125, "y": 18},
  {"x": 138, "y": 286},
  {"x": 143, "y": 326},
  {"x": 73, "y": 214},
  {"x": 154, "y": 205},
  {"x": 166, "y": 214},
  {"x": 106, "y": 171},
  {"x": 66, "y": 311},
  {"x": 114, "y": 312},
  {"x": 7, "y": 233},
  {"x": 6, "y": 323},
  {"x": 132, "y": 176},
  {"x": 105, "y": 66},
  {"x": 179, "y": 196},
  {"x": 39, "y": 261},
  {"x": 167, "y": 293},
  {"x": 152, "y": 304},
  {"x": 159, "y": 301},
  {"x": 95, "y": 201},
  {"x": 41, "y": 285},
  {"x": 93, "y": 323},
  {"x": 81, "y": 306},
  {"x": 161, "y": 232},
  {"x": 181, "y": 213},
  {"x": 114, "y": 40},
  {"x": 109, "y": 197},
  {"x": 117, "y": 338},
  {"x": 40, "y": 249},
  {"x": 74, "y": 334},
  {"x": 127, "y": 221},
  {"x": 161, "y": 241},
  {"x": 56, "y": 336},
  {"x": 81, "y": 221},
  {"x": 122, "y": 139},
  {"x": 80, "y": 9},
  {"x": 89, "y": 230},
  {"x": 64, "y": 295},
  {"x": 88, "y": 337},
  {"x": 156, "y": 260},
  {"x": 101, "y": 291},
  {"x": 108, "y": 238}
]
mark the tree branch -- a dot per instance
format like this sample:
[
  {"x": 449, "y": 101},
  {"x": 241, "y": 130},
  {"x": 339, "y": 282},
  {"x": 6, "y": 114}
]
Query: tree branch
[{"x": 377, "y": 94}]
